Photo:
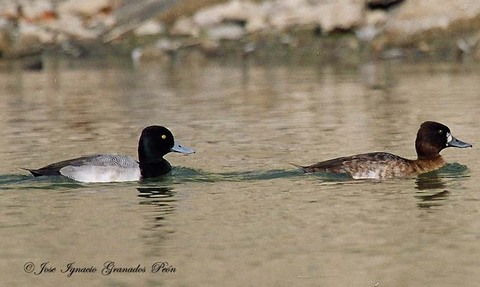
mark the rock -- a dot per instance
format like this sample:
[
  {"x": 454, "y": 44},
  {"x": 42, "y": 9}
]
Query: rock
[
  {"x": 279, "y": 15},
  {"x": 28, "y": 10},
  {"x": 329, "y": 15},
  {"x": 73, "y": 27},
  {"x": 150, "y": 27},
  {"x": 184, "y": 26},
  {"x": 26, "y": 44},
  {"x": 416, "y": 18},
  {"x": 44, "y": 36},
  {"x": 40, "y": 10},
  {"x": 286, "y": 15},
  {"x": 376, "y": 18},
  {"x": 226, "y": 31},
  {"x": 167, "y": 45},
  {"x": 85, "y": 8},
  {"x": 85, "y": 20},
  {"x": 51, "y": 22},
  {"x": 27, "y": 26},
  {"x": 339, "y": 15},
  {"x": 258, "y": 20},
  {"x": 24, "y": 39},
  {"x": 233, "y": 11},
  {"x": 209, "y": 47}
]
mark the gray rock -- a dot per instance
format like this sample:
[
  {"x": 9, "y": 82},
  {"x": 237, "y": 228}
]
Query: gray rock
[
  {"x": 418, "y": 17},
  {"x": 226, "y": 31}
]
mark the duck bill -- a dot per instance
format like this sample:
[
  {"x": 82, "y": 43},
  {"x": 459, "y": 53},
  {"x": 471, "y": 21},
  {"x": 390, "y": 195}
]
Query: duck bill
[
  {"x": 458, "y": 143},
  {"x": 177, "y": 147}
]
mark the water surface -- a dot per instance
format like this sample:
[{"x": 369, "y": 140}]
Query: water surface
[{"x": 237, "y": 213}]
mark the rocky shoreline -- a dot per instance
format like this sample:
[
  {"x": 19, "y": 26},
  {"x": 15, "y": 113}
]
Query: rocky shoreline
[{"x": 158, "y": 30}]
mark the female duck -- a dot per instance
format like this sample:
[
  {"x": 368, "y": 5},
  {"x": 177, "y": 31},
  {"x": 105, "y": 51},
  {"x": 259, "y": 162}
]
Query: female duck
[
  {"x": 155, "y": 142},
  {"x": 432, "y": 137}
]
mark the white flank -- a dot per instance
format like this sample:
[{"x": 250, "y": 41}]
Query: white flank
[{"x": 90, "y": 173}]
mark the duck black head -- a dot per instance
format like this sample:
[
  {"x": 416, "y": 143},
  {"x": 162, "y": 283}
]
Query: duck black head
[{"x": 157, "y": 141}]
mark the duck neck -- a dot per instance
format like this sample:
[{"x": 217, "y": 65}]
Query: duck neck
[
  {"x": 151, "y": 165},
  {"x": 151, "y": 169},
  {"x": 429, "y": 164},
  {"x": 436, "y": 158},
  {"x": 432, "y": 157},
  {"x": 426, "y": 151}
]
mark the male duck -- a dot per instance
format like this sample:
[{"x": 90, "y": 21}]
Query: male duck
[
  {"x": 155, "y": 142},
  {"x": 432, "y": 137}
]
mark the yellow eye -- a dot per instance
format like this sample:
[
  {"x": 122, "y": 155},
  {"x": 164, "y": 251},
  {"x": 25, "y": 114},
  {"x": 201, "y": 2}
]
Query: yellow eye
[{"x": 164, "y": 137}]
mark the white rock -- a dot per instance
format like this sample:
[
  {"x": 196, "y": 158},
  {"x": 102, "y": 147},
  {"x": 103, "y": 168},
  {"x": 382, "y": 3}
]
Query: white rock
[
  {"x": 184, "y": 26},
  {"x": 85, "y": 8},
  {"x": 37, "y": 9},
  {"x": 235, "y": 10},
  {"x": 417, "y": 16},
  {"x": 341, "y": 14},
  {"x": 226, "y": 32},
  {"x": 284, "y": 15},
  {"x": 167, "y": 45},
  {"x": 376, "y": 18},
  {"x": 330, "y": 15},
  {"x": 258, "y": 20},
  {"x": 73, "y": 27},
  {"x": 256, "y": 24},
  {"x": 30, "y": 30},
  {"x": 150, "y": 27},
  {"x": 8, "y": 8}
]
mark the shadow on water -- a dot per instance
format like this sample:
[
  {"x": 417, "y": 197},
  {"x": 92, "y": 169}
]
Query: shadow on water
[
  {"x": 431, "y": 181},
  {"x": 184, "y": 174},
  {"x": 178, "y": 176},
  {"x": 27, "y": 182}
]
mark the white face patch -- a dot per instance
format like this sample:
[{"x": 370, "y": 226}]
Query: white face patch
[{"x": 449, "y": 138}]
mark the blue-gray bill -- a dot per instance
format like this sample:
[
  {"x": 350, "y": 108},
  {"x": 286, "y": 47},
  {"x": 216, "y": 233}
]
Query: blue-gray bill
[
  {"x": 177, "y": 147},
  {"x": 458, "y": 143}
]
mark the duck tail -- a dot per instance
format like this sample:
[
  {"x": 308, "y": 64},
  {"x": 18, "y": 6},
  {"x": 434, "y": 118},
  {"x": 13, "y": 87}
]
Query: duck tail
[
  {"x": 32, "y": 171},
  {"x": 39, "y": 172},
  {"x": 299, "y": 166}
]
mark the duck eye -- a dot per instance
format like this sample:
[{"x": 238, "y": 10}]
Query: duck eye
[
  {"x": 164, "y": 137},
  {"x": 440, "y": 132}
]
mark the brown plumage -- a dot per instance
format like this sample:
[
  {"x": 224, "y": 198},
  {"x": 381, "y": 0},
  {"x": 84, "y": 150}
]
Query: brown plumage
[{"x": 432, "y": 137}]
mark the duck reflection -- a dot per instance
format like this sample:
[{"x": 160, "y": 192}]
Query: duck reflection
[
  {"x": 430, "y": 181},
  {"x": 159, "y": 204},
  {"x": 161, "y": 198},
  {"x": 432, "y": 200},
  {"x": 427, "y": 183}
]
